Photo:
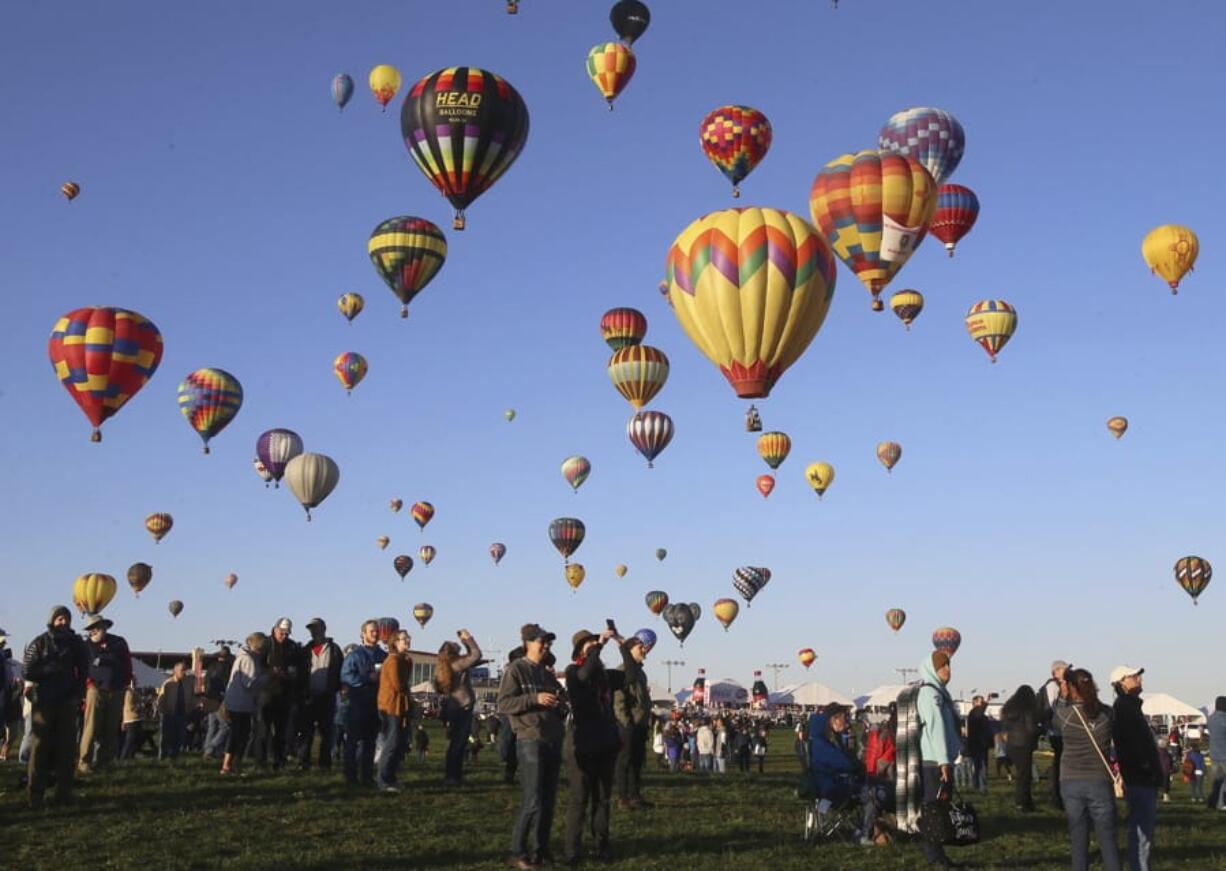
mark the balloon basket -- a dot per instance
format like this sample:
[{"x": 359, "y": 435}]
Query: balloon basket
[
  {"x": 458, "y": 222},
  {"x": 206, "y": 449},
  {"x": 736, "y": 192},
  {"x": 95, "y": 436},
  {"x": 404, "y": 311}
]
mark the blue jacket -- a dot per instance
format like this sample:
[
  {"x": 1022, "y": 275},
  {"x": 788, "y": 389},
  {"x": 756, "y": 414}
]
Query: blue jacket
[
  {"x": 1217, "y": 737},
  {"x": 940, "y": 737},
  {"x": 831, "y": 766},
  {"x": 359, "y": 675}
]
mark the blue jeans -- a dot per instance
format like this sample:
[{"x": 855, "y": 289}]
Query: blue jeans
[
  {"x": 1142, "y": 815},
  {"x": 394, "y": 733},
  {"x": 1219, "y": 782},
  {"x": 174, "y": 732},
  {"x": 704, "y": 761},
  {"x": 459, "y": 727},
  {"x": 540, "y": 763},
  {"x": 1086, "y": 802},
  {"x": 979, "y": 770},
  {"x": 216, "y": 732},
  {"x": 360, "y": 730}
]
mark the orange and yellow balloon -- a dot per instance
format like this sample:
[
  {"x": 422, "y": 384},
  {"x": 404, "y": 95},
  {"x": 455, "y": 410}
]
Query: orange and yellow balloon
[
  {"x": 774, "y": 447},
  {"x": 611, "y": 67},
  {"x": 575, "y": 573},
  {"x": 351, "y": 305},
  {"x": 807, "y": 656},
  {"x": 907, "y": 305},
  {"x": 888, "y": 454},
  {"x": 1118, "y": 426},
  {"x": 991, "y": 323},
  {"x": 1170, "y": 251},
  {"x": 93, "y": 591},
  {"x": 638, "y": 372},
  {"x": 620, "y": 570},
  {"x": 726, "y": 611},
  {"x": 158, "y": 525},
  {"x": 384, "y": 83}
]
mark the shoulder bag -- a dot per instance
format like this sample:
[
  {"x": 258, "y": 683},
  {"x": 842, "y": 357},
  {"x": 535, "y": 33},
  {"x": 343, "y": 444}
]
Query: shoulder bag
[{"x": 1117, "y": 782}]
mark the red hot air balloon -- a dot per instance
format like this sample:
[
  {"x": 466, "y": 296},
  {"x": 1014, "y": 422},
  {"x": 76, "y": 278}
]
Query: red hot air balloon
[
  {"x": 422, "y": 512},
  {"x": 622, "y": 327},
  {"x": 957, "y": 209},
  {"x": 566, "y": 534},
  {"x": 657, "y": 601},
  {"x": 766, "y": 483},
  {"x": 895, "y": 617},
  {"x": 807, "y": 656}
]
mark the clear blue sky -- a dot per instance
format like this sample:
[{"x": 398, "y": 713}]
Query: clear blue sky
[{"x": 225, "y": 198}]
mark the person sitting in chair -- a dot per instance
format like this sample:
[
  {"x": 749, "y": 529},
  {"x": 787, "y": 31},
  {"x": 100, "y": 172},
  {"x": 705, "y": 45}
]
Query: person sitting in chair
[{"x": 837, "y": 774}]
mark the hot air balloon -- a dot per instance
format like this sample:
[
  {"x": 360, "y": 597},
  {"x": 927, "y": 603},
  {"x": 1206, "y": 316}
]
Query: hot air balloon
[
  {"x": 735, "y": 139},
  {"x": 907, "y": 304},
  {"x": 932, "y": 136},
  {"x": 139, "y": 576},
  {"x": 407, "y": 252},
  {"x": 350, "y": 369},
  {"x": 647, "y": 638},
  {"x": 1170, "y": 251},
  {"x": 650, "y": 432},
  {"x": 351, "y": 305},
  {"x": 620, "y": 570},
  {"x": 276, "y": 448},
  {"x": 384, "y": 82},
  {"x": 895, "y": 617},
  {"x": 93, "y": 591},
  {"x": 403, "y": 564},
  {"x": 680, "y": 621},
  {"x": 820, "y": 476},
  {"x": 566, "y": 534},
  {"x": 765, "y": 484},
  {"x": 638, "y": 372},
  {"x": 512, "y": 7},
  {"x": 1118, "y": 426},
  {"x": 231, "y": 580},
  {"x": 422, "y": 612},
  {"x": 395, "y": 505},
  {"x": 103, "y": 356},
  {"x": 957, "y": 209},
  {"x": 948, "y": 639},
  {"x": 342, "y": 90},
  {"x": 610, "y": 65},
  {"x": 622, "y": 327},
  {"x": 657, "y": 601},
  {"x": 383, "y": 541},
  {"x": 774, "y": 447},
  {"x": 888, "y": 454},
  {"x": 262, "y": 470},
  {"x": 311, "y": 477},
  {"x": 421, "y": 512},
  {"x": 750, "y": 288},
  {"x": 464, "y": 128},
  {"x": 661, "y": 553},
  {"x": 158, "y": 525},
  {"x": 575, "y": 470},
  {"x": 991, "y": 323},
  {"x": 726, "y": 611},
  {"x": 497, "y": 551},
  {"x": 807, "y": 656},
  {"x": 209, "y": 399},
  {"x": 175, "y": 608},
  {"x": 426, "y": 552},
  {"x": 388, "y": 627},
  {"x": 874, "y": 209},
  {"x": 71, "y": 190},
  {"x": 509, "y": 414},
  {"x": 575, "y": 573},
  {"x": 748, "y": 581},
  {"x": 630, "y": 19},
  {"x": 1192, "y": 573}
]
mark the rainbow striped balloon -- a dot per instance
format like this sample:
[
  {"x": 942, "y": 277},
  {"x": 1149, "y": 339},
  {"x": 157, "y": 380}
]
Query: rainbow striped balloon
[{"x": 209, "y": 399}]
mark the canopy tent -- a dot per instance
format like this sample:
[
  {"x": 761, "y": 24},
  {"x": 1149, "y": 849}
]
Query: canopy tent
[
  {"x": 660, "y": 695},
  {"x": 881, "y": 697},
  {"x": 809, "y": 695},
  {"x": 1170, "y": 708},
  {"x": 148, "y": 676},
  {"x": 721, "y": 692}
]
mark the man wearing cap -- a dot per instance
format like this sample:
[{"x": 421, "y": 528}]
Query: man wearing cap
[
  {"x": 594, "y": 740},
  {"x": 940, "y": 739},
  {"x": 1049, "y": 693},
  {"x": 1140, "y": 766},
  {"x": 55, "y": 664},
  {"x": 360, "y": 678},
  {"x": 632, "y": 707},
  {"x": 110, "y": 674},
  {"x": 534, "y": 703},
  {"x": 321, "y": 663},
  {"x": 284, "y": 661}
]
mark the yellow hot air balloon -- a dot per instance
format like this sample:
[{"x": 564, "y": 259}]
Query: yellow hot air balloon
[
  {"x": 93, "y": 591},
  {"x": 774, "y": 447},
  {"x": 820, "y": 476},
  {"x": 1118, "y": 426},
  {"x": 638, "y": 372},
  {"x": 888, "y": 454},
  {"x": 1170, "y": 251},
  {"x": 575, "y": 573},
  {"x": 384, "y": 83},
  {"x": 351, "y": 305},
  {"x": 750, "y": 288},
  {"x": 991, "y": 323},
  {"x": 620, "y": 570},
  {"x": 873, "y": 207},
  {"x": 726, "y": 611},
  {"x": 907, "y": 305}
]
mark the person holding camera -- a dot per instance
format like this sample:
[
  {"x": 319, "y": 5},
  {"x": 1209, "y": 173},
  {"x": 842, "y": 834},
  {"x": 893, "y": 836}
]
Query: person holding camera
[
  {"x": 1086, "y": 778},
  {"x": 453, "y": 682},
  {"x": 56, "y": 664},
  {"x": 110, "y": 673}
]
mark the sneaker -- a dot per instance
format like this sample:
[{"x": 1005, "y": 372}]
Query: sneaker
[{"x": 390, "y": 789}]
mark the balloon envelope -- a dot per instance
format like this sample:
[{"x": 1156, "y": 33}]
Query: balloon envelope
[
  {"x": 991, "y": 323},
  {"x": 575, "y": 573},
  {"x": 497, "y": 551},
  {"x": 888, "y": 454},
  {"x": 384, "y": 81},
  {"x": 275, "y": 448},
  {"x": 158, "y": 525},
  {"x": 1170, "y": 251},
  {"x": 610, "y": 66},
  {"x": 948, "y": 639},
  {"x": 934, "y": 137},
  {"x": 630, "y": 19},
  {"x": 566, "y": 534},
  {"x": 403, "y": 564},
  {"x": 650, "y": 432},
  {"x": 622, "y": 327},
  {"x": 1118, "y": 426},
  {"x": 342, "y": 90},
  {"x": 895, "y": 618},
  {"x": 726, "y": 611},
  {"x": 209, "y": 399},
  {"x": 175, "y": 608},
  {"x": 1193, "y": 574},
  {"x": 311, "y": 477},
  {"x": 638, "y": 372},
  {"x": 735, "y": 139},
  {"x": 765, "y": 484},
  {"x": 576, "y": 470},
  {"x": 407, "y": 252},
  {"x": 955, "y": 215},
  {"x": 657, "y": 601},
  {"x": 350, "y": 368},
  {"x": 421, "y": 513},
  {"x": 351, "y": 305},
  {"x": 807, "y": 656},
  {"x": 93, "y": 591},
  {"x": 907, "y": 305},
  {"x": 820, "y": 476},
  {"x": 139, "y": 576},
  {"x": 774, "y": 447},
  {"x": 422, "y": 612}
]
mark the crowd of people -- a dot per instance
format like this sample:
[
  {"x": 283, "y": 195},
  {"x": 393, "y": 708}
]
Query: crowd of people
[{"x": 278, "y": 702}]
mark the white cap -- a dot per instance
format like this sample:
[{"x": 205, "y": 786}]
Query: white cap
[
  {"x": 285, "y": 623},
  {"x": 1122, "y": 671}
]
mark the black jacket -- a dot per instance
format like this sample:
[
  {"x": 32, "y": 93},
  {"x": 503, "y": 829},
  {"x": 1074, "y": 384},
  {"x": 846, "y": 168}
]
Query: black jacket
[
  {"x": 284, "y": 661},
  {"x": 1135, "y": 747},
  {"x": 217, "y": 678},
  {"x": 978, "y": 731},
  {"x": 632, "y": 702},
  {"x": 57, "y": 662},
  {"x": 1021, "y": 724},
  {"x": 590, "y": 688}
]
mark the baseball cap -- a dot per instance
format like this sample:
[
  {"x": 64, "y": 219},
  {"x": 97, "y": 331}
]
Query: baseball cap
[
  {"x": 286, "y": 624},
  {"x": 532, "y": 631},
  {"x": 1122, "y": 671}
]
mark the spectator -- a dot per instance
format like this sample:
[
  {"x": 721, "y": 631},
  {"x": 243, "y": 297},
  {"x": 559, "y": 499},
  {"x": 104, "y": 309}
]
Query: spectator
[
  {"x": 395, "y": 706},
  {"x": 979, "y": 742},
  {"x": 452, "y": 680},
  {"x": 506, "y": 735},
  {"x": 1217, "y": 752},
  {"x": 321, "y": 665},
  {"x": 706, "y": 745},
  {"x": 533, "y": 702},
  {"x": 132, "y": 728},
  {"x": 881, "y": 750},
  {"x": 1000, "y": 744},
  {"x": 56, "y": 663},
  {"x": 360, "y": 678},
  {"x": 176, "y": 699},
  {"x": 421, "y": 742},
  {"x": 1194, "y": 765},
  {"x": 10, "y": 698},
  {"x": 760, "y": 747},
  {"x": 722, "y": 747},
  {"x": 110, "y": 673},
  {"x": 742, "y": 744},
  {"x": 1085, "y": 777},
  {"x": 1139, "y": 764},
  {"x": 216, "y": 727},
  {"x": 939, "y": 739},
  {"x": 632, "y": 707},
  {"x": 1019, "y": 720},
  {"x": 285, "y": 685},
  {"x": 1047, "y": 696},
  {"x": 247, "y": 680}
]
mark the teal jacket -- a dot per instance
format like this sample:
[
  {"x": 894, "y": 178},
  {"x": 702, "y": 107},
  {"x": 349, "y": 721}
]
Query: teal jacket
[{"x": 940, "y": 739}]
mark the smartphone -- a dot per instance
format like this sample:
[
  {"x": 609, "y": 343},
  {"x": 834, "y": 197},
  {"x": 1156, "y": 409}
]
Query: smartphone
[{"x": 610, "y": 626}]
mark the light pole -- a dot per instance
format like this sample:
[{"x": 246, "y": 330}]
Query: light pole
[
  {"x": 903, "y": 672},
  {"x": 775, "y": 668},
  {"x": 668, "y": 664}
]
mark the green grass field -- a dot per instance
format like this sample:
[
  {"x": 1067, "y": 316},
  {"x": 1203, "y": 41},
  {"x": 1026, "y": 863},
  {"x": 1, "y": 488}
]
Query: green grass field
[{"x": 151, "y": 814}]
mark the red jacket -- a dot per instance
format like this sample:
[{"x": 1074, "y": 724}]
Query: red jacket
[{"x": 880, "y": 748}]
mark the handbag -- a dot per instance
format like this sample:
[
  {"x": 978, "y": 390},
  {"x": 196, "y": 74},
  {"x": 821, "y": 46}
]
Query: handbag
[
  {"x": 950, "y": 822},
  {"x": 1117, "y": 782}
]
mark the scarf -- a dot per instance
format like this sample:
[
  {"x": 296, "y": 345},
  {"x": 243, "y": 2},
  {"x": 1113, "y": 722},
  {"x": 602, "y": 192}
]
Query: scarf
[{"x": 908, "y": 789}]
